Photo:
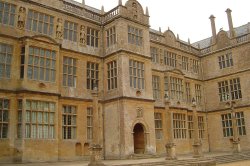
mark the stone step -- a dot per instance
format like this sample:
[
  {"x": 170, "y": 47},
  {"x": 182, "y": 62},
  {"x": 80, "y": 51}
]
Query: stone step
[{"x": 231, "y": 158}]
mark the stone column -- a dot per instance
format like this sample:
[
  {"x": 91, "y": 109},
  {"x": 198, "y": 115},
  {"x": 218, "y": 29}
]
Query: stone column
[
  {"x": 197, "y": 146},
  {"x": 96, "y": 148},
  {"x": 170, "y": 146}
]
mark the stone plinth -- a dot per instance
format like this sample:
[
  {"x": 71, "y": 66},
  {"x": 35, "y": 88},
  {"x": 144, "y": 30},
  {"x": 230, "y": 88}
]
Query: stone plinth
[
  {"x": 236, "y": 147},
  {"x": 197, "y": 147},
  {"x": 95, "y": 159},
  {"x": 170, "y": 150}
]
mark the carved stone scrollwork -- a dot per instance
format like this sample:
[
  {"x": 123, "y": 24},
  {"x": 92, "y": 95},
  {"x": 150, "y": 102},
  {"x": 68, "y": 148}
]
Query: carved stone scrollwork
[
  {"x": 21, "y": 18},
  {"x": 59, "y": 28},
  {"x": 135, "y": 12},
  {"x": 139, "y": 111},
  {"x": 83, "y": 35}
]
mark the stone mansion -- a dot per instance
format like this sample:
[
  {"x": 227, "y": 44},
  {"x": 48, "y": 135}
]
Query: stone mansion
[{"x": 56, "y": 56}]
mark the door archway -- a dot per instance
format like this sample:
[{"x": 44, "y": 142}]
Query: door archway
[{"x": 139, "y": 139}]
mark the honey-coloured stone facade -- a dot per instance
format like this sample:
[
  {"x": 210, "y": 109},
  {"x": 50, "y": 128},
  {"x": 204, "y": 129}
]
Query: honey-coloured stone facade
[{"x": 58, "y": 56}]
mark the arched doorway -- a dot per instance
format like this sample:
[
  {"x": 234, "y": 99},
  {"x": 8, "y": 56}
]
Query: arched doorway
[{"x": 139, "y": 140}]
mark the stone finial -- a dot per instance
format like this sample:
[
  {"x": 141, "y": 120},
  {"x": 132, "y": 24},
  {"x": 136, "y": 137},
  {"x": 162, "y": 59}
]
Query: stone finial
[
  {"x": 83, "y": 2},
  {"x": 159, "y": 29},
  {"x": 188, "y": 41},
  {"x": 178, "y": 37},
  {"x": 120, "y": 2},
  {"x": 168, "y": 28},
  {"x": 147, "y": 12},
  {"x": 102, "y": 10}
]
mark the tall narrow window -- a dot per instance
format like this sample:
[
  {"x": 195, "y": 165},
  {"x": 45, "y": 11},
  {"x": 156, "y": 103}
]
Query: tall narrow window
[
  {"x": 170, "y": 59},
  {"x": 92, "y": 37},
  {"x": 92, "y": 75},
  {"x": 190, "y": 126},
  {"x": 201, "y": 126},
  {"x": 185, "y": 64},
  {"x": 188, "y": 93},
  {"x": 240, "y": 121},
  {"x": 40, "y": 120},
  {"x": 6, "y": 52},
  {"x": 136, "y": 74},
  {"x": 156, "y": 87},
  {"x": 198, "y": 93},
  {"x": 89, "y": 123},
  {"x": 111, "y": 36},
  {"x": 7, "y": 13},
  {"x": 179, "y": 126},
  {"x": 19, "y": 118},
  {"x": 134, "y": 36},
  {"x": 227, "y": 125},
  {"x": 166, "y": 88},
  {"x": 41, "y": 64},
  {"x": 4, "y": 117},
  {"x": 112, "y": 75},
  {"x": 176, "y": 88},
  {"x": 70, "y": 31},
  {"x": 235, "y": 89},
  {"x": 22, "y": 60},
  {"x": 40, "y": 22},
  {"x": 69, "y": 122},
  {"x": 154, "y": 54},
  {"x": 158, "y": 126},
  {"x": 196, "y": 66},
  {"x": 69, "y": 72}
]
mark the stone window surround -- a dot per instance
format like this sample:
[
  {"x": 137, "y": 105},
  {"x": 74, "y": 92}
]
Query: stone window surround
[
  {"x": 156, "y": 82},
  {"x": 229, "y": 89},
  {"x": 4, "y": 114},
  {"x": 10, "y": 15},
  {"x": 69, "y": 71},
  {"x": 70, "y": 31},
  {"x": 111, "y": 36},
  {"x": 225, "y": 61},
  {"x": 69, "y": 122},
  {"x": 41, "y": 64},
  {"x": 158, "y": 125},
  {"x": 37, "y": 117},
  {"x": 136, "y": 74},
  {"x": 92, "y": 75},
  {"x": 6, "y": 54},
  {"x": 112, "y": 74},
  {"x": 40, "y": 22}
]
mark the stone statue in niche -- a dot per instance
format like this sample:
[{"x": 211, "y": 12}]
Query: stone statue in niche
[
  {"x": 82, "y": 35},
  {"x": 59, "y": 28},
  {"x": 21, "y": 18},
  {"x": 139, "y": 112},
  {"x": 135, "y": 13}
]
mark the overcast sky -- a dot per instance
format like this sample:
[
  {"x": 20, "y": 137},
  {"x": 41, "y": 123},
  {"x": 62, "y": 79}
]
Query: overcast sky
[{"x": 188, "y": 18}]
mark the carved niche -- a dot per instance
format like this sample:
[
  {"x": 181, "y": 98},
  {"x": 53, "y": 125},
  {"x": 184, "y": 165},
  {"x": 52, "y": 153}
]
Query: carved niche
[
  {"x": 21, "y": 18},
  {"x": 59, "y": 29},
  {"x": 82, "y": 35}
]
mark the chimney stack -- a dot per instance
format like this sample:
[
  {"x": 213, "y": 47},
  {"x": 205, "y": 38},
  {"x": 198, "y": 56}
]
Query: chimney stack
[
  {"x": 120, "y": 2},
  {"x": 213, "y": 28},
  {"x": 230, "y": 23}
]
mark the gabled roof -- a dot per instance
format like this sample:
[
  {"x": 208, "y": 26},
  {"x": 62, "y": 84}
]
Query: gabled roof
[{"x": 239, "y": 31}]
